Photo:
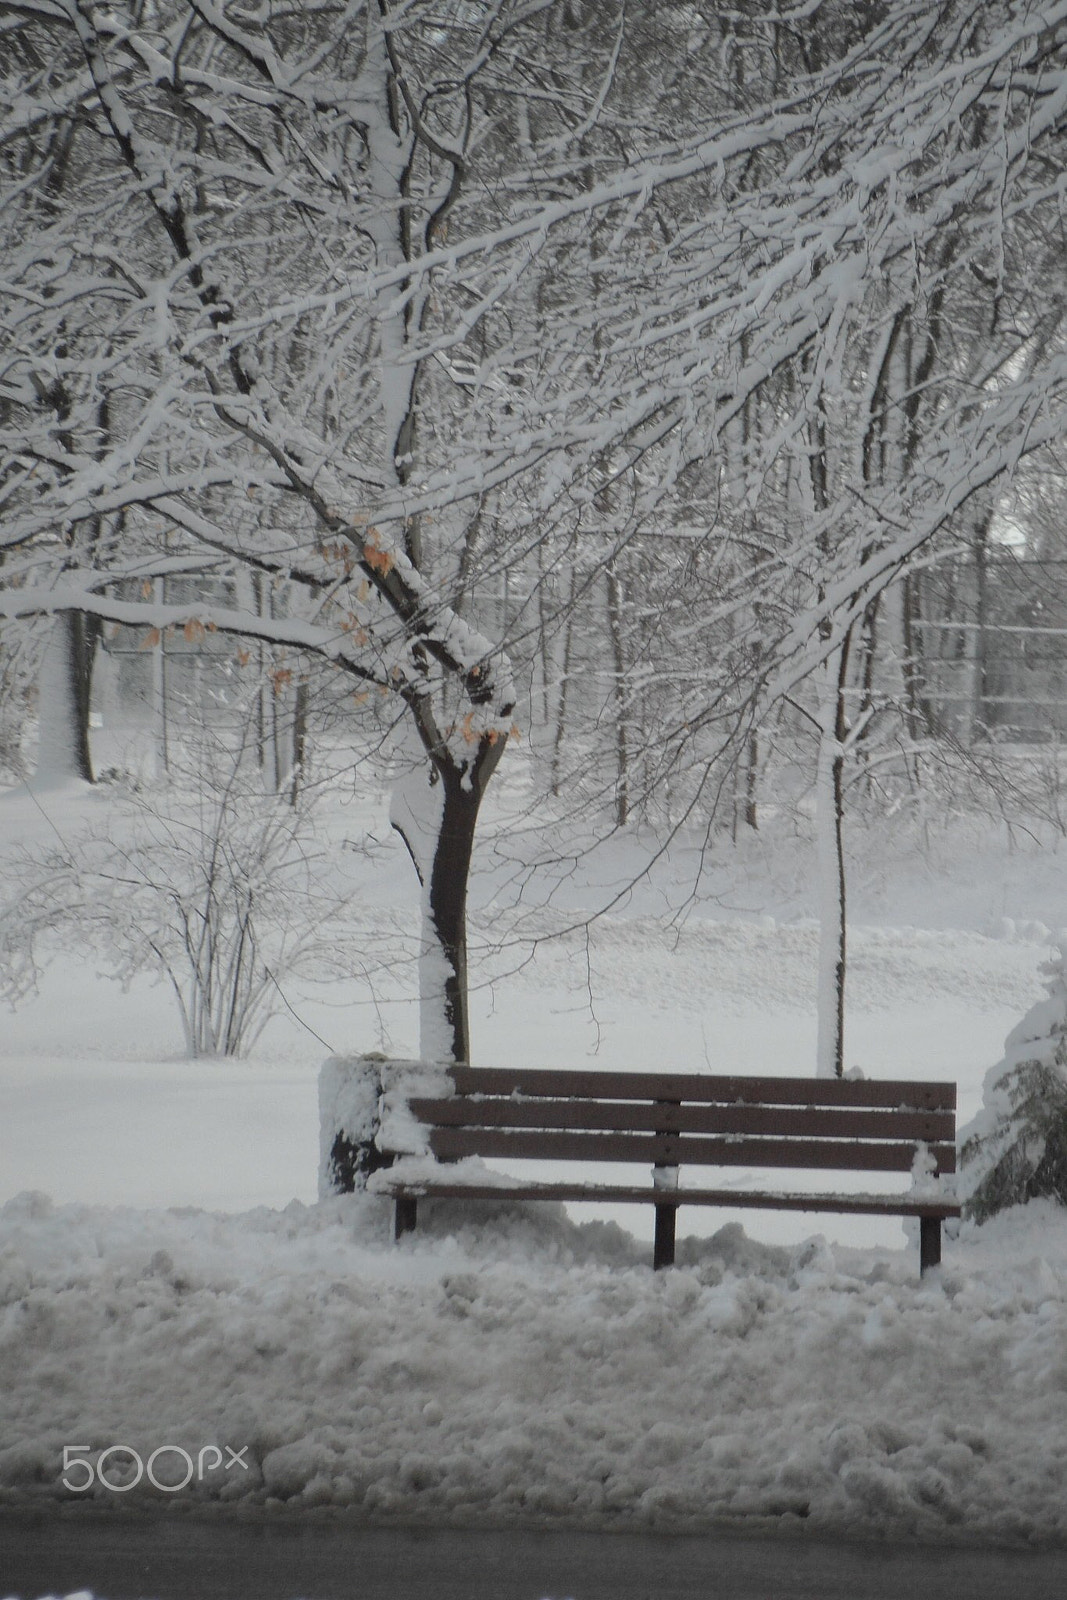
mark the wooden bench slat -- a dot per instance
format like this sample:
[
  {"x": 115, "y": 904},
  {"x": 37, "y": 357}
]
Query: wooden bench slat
[
  {"x": 686, "y": 1120},
  {"x": 803, "y": 1121},
  {"x": 681, "y": 1150},
  {"x": 703, "y": 1088},
  {"x": 895, "y": 1205}
]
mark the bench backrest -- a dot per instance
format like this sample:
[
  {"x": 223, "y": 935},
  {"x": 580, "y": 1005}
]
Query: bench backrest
[{"x": 680, "y": 1119}]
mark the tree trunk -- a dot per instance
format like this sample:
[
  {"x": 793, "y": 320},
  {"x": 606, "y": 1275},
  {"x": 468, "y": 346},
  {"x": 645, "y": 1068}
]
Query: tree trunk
[
  {"x": 161, "y": 686},
  {"x": 984, "y": 710},
  {"x": 865, "y": 718},
  {"x": 829, "y": 801},
  {"x": 300, "y": 739},
  {"x": 63, "y": 710},
  {"x": 444, "y": 1009},
  {"x": 564, "y": 689},
  {"x": 435, "y": 810},
  {"x": 622, "y": 747}
]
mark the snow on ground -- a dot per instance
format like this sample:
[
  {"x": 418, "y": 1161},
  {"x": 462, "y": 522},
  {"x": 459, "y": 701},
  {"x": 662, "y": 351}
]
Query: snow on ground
[{"x": 511, "y": 1364}]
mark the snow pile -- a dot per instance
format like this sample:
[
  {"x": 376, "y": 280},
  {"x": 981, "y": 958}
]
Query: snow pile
[{"x": 506, "y": 1363}]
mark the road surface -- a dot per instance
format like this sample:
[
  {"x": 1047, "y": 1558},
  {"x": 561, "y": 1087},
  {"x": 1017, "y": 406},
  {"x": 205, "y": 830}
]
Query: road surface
[{"x": 189, "y": 1558}]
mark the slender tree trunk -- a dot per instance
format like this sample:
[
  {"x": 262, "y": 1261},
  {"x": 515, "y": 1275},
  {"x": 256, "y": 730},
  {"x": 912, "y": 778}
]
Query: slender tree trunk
[
  {"x": 984, "y": 711},
  {"x": 161, "y": 686},
  {"x": 622, "y": 742},
  {"x": 564, "y": 690},
  {"x": 865, "y": 718},
  {"x": 918, "y": 709},
  {"x": 752, "y": 782},
  {"x": 829, "y": 807},
  {"x": 830, "y": 776},
  {"x": 544, "y": 650},
  {"x": 752, "y": 758},
  {"x": 300, "y": 734}
]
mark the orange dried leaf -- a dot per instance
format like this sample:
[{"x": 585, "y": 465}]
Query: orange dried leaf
[
  {"x": 193, "y": 630},
  {"x": 379, "y": 560},
  {"x": 150, "y": 640}
]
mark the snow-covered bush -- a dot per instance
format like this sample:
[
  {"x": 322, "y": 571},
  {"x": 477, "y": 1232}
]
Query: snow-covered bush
[
  {"x": 1016, "y": 1148},
  {"x": 216, "y": 887}
]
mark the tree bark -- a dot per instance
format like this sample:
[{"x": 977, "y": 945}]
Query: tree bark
[
  {"x": 63, "y": 753},
  {"x": 300, "y": 733},
  {"x": 829, "y": 801},
  {"x": 622, "y": 750},
  {"x": 435, "y": 810},
  {"x": 445, "y": 1030}
]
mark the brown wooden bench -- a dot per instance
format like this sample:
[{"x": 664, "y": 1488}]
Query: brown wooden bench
[{"x": 670, "y": 1120}]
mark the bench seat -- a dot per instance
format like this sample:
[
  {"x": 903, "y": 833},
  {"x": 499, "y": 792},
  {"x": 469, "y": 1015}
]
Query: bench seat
[{"x": 666, "y": 1121}]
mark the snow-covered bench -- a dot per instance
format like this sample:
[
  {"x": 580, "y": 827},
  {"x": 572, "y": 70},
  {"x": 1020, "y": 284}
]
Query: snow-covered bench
[{"x": 666, "y": 1121}]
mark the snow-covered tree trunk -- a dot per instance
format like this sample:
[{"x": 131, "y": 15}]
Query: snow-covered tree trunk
[
  {"x": 63, "y": 706},
  {"x": 443, "y": 1000},
  {"x": 435, "y": 810},
  {"x": 829, "y": 811},
  {"x": 619, "y": 690}
]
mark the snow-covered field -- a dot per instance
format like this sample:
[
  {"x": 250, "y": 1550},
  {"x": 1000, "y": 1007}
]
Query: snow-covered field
[{"x": 182, "y": 1287}]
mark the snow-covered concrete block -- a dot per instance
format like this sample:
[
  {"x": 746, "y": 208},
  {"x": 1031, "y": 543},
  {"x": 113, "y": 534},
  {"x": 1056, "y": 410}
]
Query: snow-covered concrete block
[
  {"x": 350, "y": 1089},
  {"x": 364, "y": 1120}
]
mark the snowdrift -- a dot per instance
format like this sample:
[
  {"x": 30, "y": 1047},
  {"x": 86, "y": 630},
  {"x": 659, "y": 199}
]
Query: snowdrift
[{"x": 513, "y": 1366}]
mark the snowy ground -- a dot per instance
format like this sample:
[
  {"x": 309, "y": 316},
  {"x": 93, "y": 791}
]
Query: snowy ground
[{"x": 529, "y": 1366}]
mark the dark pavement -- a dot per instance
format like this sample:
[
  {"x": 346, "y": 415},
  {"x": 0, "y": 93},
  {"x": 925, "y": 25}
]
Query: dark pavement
[{"x": 190, "y": 1558}]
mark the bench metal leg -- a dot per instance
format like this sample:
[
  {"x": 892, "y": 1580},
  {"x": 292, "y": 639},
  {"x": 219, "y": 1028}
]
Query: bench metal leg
[
  {"x": 929, "y": 1243},
  {"x": 405, "y": 1216},
  {"x": 663, "y": 1250}
]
